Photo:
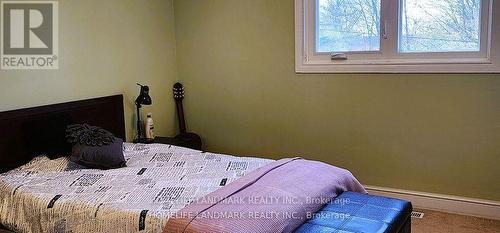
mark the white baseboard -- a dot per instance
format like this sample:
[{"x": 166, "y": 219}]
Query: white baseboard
[{"x": 445, "y": 203}]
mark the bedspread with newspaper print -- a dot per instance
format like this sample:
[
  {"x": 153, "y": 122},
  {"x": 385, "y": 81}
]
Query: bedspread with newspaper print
[{"x": 159, "y": 180}]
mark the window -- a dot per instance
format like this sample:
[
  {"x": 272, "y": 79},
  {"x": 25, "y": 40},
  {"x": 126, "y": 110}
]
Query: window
[
  {"x": 440, "y": 26},
  {"x": 388, "y": 36},
  {"x": 348, "y": 26}
]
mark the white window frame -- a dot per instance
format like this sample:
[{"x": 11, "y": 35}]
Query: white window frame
[{"x": 388, "y": 60}]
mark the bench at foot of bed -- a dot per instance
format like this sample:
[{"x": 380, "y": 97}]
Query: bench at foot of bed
[{"x": 356, "y": 212}]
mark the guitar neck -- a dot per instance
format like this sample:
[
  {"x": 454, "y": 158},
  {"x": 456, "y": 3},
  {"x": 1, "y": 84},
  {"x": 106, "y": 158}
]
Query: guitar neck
[{"x": 180, "y": 115}]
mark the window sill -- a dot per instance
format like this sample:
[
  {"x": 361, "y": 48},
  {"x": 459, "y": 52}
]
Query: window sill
[{"x": 479, "y": 65}]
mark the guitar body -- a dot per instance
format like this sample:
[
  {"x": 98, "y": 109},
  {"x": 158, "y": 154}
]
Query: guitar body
[
  {"x": 190, "y": 140},
  {"x": 186, "y": 139}
]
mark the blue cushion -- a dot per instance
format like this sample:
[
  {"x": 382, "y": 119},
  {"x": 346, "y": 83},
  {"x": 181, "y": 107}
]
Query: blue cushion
[{"x": 357, "y": 212}]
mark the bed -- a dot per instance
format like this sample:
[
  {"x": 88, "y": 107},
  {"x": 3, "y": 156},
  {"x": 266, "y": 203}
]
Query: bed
[{"x": 164, "y": 188}]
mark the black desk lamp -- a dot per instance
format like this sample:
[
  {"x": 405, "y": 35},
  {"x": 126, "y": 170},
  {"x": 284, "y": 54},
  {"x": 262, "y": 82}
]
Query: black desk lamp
[{"x": 142, "y": 99}]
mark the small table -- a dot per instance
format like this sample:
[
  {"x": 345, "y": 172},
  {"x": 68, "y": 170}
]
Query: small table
[{"x": 185, "y": 140}]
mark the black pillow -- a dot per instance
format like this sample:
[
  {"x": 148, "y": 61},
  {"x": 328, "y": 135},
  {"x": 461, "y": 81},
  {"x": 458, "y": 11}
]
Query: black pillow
[
  {"x": 100, "y": 157},
  {"x": 95, "y": 147}
]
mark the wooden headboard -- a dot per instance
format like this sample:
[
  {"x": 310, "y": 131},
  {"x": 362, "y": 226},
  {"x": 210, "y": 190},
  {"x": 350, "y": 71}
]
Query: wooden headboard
[{"x": 26, "y": 133}]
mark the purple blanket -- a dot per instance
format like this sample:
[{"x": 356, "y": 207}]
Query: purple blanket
[{"x": 278, "y": 197}]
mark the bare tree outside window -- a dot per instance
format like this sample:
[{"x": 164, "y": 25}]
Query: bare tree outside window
[
  {"x": 440, "y": 26},
  {"x": 348, "y": 25},
  {"x": 425, "y": 25}
]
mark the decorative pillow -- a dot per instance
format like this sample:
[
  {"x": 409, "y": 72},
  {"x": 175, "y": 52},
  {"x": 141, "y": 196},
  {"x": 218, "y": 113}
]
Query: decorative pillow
[{"x": 95, "y": 147}]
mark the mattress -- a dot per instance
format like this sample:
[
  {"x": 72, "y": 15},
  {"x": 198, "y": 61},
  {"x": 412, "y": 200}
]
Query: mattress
[{"x": 159, "y": 180}]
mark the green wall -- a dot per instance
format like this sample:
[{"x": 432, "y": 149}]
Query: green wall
[
  {"x": 433, "y": 133},
  {"x": 105, "y": 48}
]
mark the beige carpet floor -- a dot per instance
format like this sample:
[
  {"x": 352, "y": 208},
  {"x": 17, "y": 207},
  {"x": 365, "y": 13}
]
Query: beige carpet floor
[{"x": 439, "y": 222}]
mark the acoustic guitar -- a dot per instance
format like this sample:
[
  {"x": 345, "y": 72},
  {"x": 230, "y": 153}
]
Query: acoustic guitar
[{"x": 190, "y": 140}]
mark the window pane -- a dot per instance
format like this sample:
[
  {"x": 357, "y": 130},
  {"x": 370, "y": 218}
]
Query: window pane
[
  {"x": 348, "y": 25},
  {"x": 439, "y": 26}
]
